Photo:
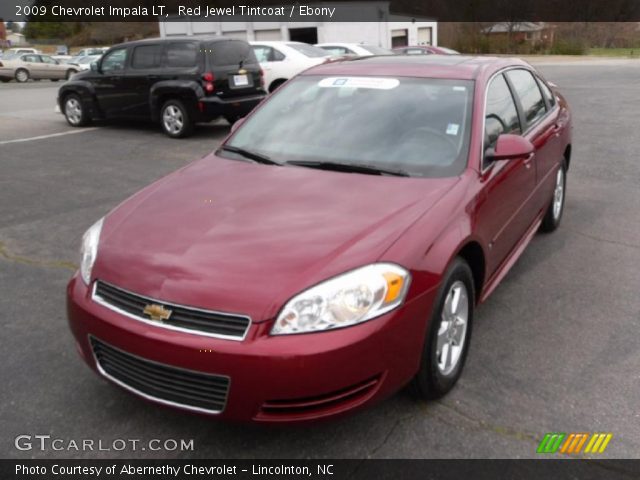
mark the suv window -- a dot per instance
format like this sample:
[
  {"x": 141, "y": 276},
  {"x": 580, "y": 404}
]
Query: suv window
[
  {"x": 229, "y": 52},
  {"x": 181, "y": 55},
  {"x": 529, "y": 93},
  {"x": 114, "y": 60},
  {"x": 267, "y": 54},
  {"x": 146, "y": 56},
  {"x": 501, "y": 115}
]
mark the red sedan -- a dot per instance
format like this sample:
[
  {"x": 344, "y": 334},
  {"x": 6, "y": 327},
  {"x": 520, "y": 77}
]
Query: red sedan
[{"x": 334, "y": 247}]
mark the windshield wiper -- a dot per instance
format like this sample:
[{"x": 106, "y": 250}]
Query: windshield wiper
[
  {"x": 349, "y": 167},
  {"x": 256, "y": 157}
]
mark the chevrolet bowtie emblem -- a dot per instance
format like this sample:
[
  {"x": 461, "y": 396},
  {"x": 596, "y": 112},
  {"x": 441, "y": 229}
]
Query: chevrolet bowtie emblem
[
  {"x": 157, "y": 312},
  {"x": 242, "y": 71}
]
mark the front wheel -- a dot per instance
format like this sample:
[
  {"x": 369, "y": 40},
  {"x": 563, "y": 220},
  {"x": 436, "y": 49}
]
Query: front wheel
[
  {"x": 175, "y": 119},
  {"x": 74, "y": 111},
  {"x": 447, "y": 343},
  {"x": 552, "y": 218}
]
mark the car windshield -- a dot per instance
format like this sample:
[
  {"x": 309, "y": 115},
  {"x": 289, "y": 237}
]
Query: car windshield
[
  {"x": 419, "y": 126},
  {"x": 308, "y": 50},
  {"x": 376, "y": 50}
]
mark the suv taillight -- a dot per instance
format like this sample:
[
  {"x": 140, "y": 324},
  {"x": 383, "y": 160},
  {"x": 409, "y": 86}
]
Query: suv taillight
[
  {"x": 208, "y": 79},
  {"x": 261, "y": 78}
]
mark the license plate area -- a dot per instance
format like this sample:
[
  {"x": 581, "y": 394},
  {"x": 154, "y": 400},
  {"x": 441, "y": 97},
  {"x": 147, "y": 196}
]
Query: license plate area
[{"x": 240, "y": 81}]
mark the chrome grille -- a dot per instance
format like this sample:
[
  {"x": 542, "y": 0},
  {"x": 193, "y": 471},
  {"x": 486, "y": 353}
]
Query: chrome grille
[
  {"x": 189, "y": 319},
  {"x": 163, "y": 383}
]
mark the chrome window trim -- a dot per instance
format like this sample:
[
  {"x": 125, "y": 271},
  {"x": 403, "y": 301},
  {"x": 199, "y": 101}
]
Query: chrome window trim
[
  {"x": 101, "y": 301},
  {"x": 151, "y": 397},
  {"x": 484, "y": 169}
]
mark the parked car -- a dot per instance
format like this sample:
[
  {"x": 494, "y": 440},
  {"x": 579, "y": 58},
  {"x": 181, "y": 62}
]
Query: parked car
[
  {"x": 20, "y": 50},
  {"x": 36, "y": 67},
  {"x": 335, "y": 245},
  {"x": 86, "y": 52},
  {"x": 84, "y": 63},
  {"x": 425, "y": 50},
  {"x": 177, "y": 82},
  {"x": 354, "y": 49},
  {"x": 281, "y": 61}
]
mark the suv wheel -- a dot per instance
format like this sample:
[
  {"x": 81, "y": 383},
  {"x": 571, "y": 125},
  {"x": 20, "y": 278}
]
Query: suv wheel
[
  {"x": 22, "y": 75},
  {"x": 447, "y": 343},
  {"x": 175, "y": 119},
  {"x": 74, "y": 111}
]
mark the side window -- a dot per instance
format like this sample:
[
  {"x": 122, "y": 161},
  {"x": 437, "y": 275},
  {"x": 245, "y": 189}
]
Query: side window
[
  {"x": 48, "y": 60},
  {"x": 146, "y": 56},
  {"x": 336, "y": 50},
  {"x": 501, "y": 115},
  {"x": 529, "y": 93},
  {"x": 31, "y": 59},
  {"x": 114, "y": 60},
  {"x": 278, "y": 56},
  {"x": 262, "y": 53},
  {"x": 546, "y": 91},
  {"x": 181, "y": 55},
  {"x": 416, "y": 51}
]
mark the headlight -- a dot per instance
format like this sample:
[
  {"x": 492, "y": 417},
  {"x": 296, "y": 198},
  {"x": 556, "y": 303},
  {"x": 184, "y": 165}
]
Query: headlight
[
  {"x": 348, "y": 299},
  {"x": 89, "y": 250}
]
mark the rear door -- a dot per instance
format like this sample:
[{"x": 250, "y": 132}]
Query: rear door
[
  {"x": 143, "y": 72},
  {"x": 34, "y": 65},
  {"x": 52, "y": 69},
  {"x": 234, "y": 66}
]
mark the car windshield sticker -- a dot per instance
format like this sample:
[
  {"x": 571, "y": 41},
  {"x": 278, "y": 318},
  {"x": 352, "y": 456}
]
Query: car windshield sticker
[
  {"x": 452, "y": 129},
  {"x": 359, "y": 82},
  {"x": 459, "y": 89}
]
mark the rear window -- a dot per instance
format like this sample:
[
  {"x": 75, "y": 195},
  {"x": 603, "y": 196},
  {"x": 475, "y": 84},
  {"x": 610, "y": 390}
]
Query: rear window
[
  {"x": 181, "y": 55},
  {"x": 308, "y": 50},
  {"x": 231, "y": 52},
  {"x": 146, "y": 56}
]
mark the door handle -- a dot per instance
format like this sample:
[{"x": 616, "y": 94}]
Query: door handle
[
  {"x": 556, "y": 130},
  {"x": 528, "y": 160}
]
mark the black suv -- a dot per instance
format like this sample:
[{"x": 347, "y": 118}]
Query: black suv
[{"x": 177, "y": 81}]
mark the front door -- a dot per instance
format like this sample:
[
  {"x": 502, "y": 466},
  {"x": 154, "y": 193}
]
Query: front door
[
  {"x": 111, "y": 89},
  {"x": 507, "y": 184}
]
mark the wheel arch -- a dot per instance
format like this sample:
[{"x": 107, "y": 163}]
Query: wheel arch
[
  {"x": 183, "y": 90},
  {"x": 276, "y": 83},
  {"x": 567, "y": 155}
]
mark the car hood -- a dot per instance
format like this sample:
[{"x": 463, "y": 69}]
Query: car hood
[{"x": 239, "y": 237}]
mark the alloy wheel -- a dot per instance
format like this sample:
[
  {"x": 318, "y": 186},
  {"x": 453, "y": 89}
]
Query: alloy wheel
[
  {"x": 558, "y": 194},
  {"x": 173, "y": 119},
  {"x": 73, "y": 111},
  {"x": 453, "y": 328}
]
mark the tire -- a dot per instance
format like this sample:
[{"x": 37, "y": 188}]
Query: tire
[
  {"x": 439, "y": 371},
  {"x": 74, "y": 111},
  {"x": 22, "y": 75},
  {"x": 70, "y": 73},
  {"x": 275, "y": 85},
  {"x": 552, "y": 218},
  {"x": 5, "y": 80},
  {"x": 231, "y": 118},
  {"x": 175, "y": 119}
]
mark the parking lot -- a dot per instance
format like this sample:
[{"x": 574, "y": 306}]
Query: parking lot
[{"x": 555, "y": 348}]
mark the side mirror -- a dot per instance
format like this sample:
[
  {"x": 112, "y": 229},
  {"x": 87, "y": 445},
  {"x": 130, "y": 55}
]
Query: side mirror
[
  {"x": 509, "y": 147},
  {"x": 236, "y": 124},
  {"x": 94, "y": 66}
]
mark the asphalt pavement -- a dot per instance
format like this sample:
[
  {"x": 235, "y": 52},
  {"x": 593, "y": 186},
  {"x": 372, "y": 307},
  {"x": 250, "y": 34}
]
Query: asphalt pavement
[{"x": 554, "y": 349}]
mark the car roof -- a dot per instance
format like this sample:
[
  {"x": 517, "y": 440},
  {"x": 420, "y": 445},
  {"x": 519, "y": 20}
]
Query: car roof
[
  {"x": 427, "y": 66},
  {"x": 199, "y": 38}
]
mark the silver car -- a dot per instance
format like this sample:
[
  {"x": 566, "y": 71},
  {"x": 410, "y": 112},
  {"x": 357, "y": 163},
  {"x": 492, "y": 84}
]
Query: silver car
[{"x": 36, "y": 67}]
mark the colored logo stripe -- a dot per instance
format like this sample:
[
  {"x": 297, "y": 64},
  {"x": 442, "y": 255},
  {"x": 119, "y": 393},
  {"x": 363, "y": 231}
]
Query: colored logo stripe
[
  {"x": 551, "y": 442},
  {"x": 598, "y": 443},
  {"x": 573, "y": 443}
]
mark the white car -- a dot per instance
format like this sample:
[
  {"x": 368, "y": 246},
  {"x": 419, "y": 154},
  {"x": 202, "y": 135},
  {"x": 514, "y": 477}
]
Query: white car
[
  {"x": 84, "y": 63},
  {"x": 353, "y": 49},
  {"x": 281, "y": 61}
]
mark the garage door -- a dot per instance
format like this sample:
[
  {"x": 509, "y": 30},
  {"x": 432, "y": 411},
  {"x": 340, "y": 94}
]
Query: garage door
[
  {"x": 242, "y": 35},
  {"x": 424, "y": 36},
  {"x": 268, "y": 35}
]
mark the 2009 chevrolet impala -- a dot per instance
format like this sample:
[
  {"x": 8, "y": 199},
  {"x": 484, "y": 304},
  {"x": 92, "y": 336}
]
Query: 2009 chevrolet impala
[{"x": 334, "y": 247}]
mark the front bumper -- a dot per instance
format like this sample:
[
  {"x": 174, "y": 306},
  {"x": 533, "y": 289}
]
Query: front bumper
[{"x": 272, "y": 378}]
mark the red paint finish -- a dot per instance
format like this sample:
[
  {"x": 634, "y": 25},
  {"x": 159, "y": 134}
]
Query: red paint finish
[{"x": 244, "y": 238}]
